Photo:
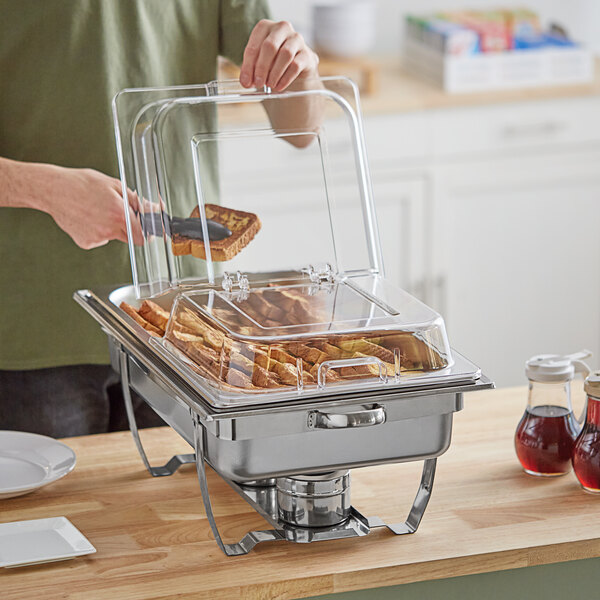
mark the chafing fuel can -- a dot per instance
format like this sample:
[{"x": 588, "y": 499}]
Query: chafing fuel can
[{"x": 314, "y": 500}]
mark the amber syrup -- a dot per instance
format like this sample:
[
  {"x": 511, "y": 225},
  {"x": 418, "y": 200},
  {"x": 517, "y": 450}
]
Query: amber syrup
[
  {"x": 544, "y": 440},
  {"x": 586, "y": 453}
]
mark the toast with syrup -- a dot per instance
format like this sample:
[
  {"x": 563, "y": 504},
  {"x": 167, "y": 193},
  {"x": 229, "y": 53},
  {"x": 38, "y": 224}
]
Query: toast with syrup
[{"x": 243, "y": 226}]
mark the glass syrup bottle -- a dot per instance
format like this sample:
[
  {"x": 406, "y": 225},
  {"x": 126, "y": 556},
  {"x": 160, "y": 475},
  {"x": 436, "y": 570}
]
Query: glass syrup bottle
[
  {"x": 545, "y": 436},
  {"x": 586, "y": 452}
]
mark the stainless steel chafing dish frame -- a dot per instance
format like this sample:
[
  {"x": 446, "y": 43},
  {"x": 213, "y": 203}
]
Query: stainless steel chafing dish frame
[{"x": 418, "y": 419}]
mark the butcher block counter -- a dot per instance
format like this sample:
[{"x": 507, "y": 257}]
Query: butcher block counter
[
  {"x": 153, "y": 540},
  {"x": 401, "y": 91}
]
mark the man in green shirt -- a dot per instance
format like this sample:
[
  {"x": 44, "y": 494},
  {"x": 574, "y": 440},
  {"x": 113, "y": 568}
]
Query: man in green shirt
[{"x": 62, "y": 223}]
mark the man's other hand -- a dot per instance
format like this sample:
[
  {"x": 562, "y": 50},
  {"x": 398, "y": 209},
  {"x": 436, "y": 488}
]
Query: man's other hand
[{"x": 276, "y": 56}]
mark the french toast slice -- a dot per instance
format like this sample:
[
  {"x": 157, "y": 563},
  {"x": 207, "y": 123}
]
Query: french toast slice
[
  {"x": 154, "y": 313},
  {"x": 367, "y": 348},
  {"x": 278, "y": 362},
  {"x": 135, "y": 315},
  {"x": 312, "y": 355},
  {"x": 263, "y": 309},
  {"x": 260, "y": 376},
  {"x": 212, "y": 337},
  {"x": 239, "y": 380},
  {"x": 243, "y": 226},
  {"x": 283, "y": 356},
  {"x": 300, "y": 309}
]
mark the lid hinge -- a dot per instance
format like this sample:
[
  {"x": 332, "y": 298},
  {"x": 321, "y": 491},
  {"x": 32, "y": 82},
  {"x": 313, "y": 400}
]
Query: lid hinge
[
  {"x": 240, "y": 281},
  {"x": 320, "y": 277}
]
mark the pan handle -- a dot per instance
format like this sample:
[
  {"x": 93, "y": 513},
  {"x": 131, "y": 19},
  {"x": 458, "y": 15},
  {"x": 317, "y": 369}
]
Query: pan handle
[{"x": 361, "y": 418}]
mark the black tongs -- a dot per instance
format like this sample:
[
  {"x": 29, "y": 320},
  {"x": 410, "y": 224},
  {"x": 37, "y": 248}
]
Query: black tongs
[{"x": 154, "y": 223}]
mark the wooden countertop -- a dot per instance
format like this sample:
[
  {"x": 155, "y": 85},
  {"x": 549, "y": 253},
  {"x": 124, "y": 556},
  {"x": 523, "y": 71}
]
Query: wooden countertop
[
  {"x": 154, "y": 542},
  {"x": 400, "y": 91}
]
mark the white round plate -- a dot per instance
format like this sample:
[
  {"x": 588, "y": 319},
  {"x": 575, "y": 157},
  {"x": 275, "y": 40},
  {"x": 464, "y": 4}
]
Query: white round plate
[{"x": 29, "y": 461}]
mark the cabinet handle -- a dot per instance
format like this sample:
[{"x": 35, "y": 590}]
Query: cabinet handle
[{"x": 542, "y": 128}]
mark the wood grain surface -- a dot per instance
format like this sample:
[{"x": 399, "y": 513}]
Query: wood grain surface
[
  {"x": 154, "y": 542},
  {"x": 398, "y": 90}
]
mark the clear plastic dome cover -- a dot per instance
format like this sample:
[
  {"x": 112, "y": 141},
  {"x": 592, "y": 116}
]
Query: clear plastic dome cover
[{"x": 273, "y": 303}]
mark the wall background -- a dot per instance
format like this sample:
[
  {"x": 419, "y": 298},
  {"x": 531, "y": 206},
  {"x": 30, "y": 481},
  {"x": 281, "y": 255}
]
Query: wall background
[{"x": 580, "y": 17}]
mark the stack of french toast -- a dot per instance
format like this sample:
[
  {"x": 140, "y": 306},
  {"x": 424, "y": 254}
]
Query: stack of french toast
[{"x": 216, "y": 355}]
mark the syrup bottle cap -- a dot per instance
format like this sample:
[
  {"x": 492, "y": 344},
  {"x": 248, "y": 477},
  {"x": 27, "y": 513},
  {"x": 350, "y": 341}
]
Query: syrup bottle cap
[
  {"x": 555, "y": 368},
  {"x": 592, "y": 385}
]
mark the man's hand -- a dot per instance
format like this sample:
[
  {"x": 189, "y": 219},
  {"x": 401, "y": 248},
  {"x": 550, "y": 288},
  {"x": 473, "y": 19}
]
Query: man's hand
[
  {"x": 276, "y": 56},
  {"x": 86, "y": 204}
]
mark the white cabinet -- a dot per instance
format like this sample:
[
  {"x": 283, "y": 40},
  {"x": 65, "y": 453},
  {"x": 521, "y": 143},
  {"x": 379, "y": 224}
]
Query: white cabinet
[
  {"x": 402, "y": 213},
  {"x": 514, "y": 128},
  {"x": 497, "y": 212},
  {"x": 519, "y": 258},
  {"x": 398, "y": 146}
]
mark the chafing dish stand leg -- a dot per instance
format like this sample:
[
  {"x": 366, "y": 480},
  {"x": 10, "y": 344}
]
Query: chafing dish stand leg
[
  {"x": 419, "y": 505},
  {"x": 176, "y": 461},
  {"x": 252, "y": 537}
]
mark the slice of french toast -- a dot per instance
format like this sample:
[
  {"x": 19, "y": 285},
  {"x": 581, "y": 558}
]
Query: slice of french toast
[
  {"x": 243, "y": 226},
  {"x": 135, "y": 315}
]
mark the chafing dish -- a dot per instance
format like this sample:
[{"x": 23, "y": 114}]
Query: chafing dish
[{"x": 296, "y": 360}]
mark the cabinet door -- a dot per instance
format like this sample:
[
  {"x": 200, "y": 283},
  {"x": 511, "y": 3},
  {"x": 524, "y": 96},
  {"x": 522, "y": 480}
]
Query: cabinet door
[
  {"x": 296, "y": 233},
  {"x": 518, "y": 245},
  {"x": 402, "y": 206}
]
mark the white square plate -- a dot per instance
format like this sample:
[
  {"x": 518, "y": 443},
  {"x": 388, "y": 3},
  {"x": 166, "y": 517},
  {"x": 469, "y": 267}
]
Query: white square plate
[{"x": 41, "y": 540}]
